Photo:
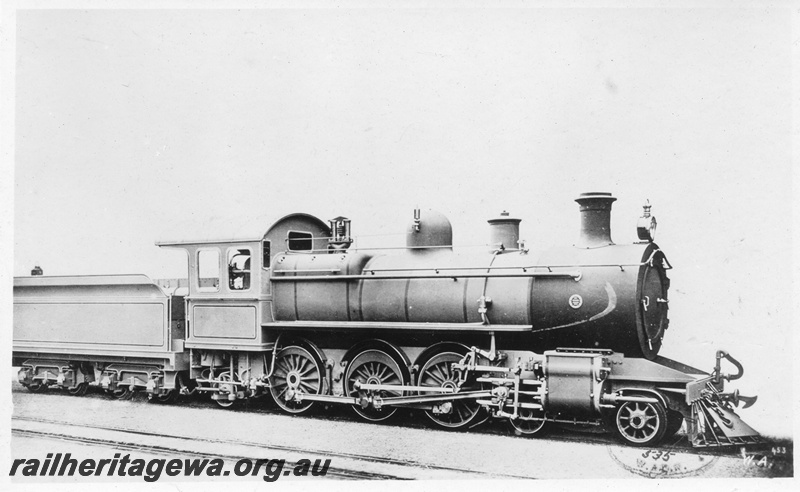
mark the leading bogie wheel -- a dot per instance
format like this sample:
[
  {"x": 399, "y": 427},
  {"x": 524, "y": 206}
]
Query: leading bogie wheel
[
  {"x": 526, "y": 426},
  {"x": 296, "y": 370},
  {"x": 640, "y": 423},
  {"x": 438, "y": 372},
  {"x": 374, "y": 366}
]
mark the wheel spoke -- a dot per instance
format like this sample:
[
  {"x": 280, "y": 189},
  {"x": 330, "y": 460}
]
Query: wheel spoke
[
  {"x": 447, "y": 371},
  {"x": 442, "y": 373},
  {"x": 305, "y": 366},
  {"x": 309, "y": 388},
  {"x": 458, "y": 411},
  {"x": 363, "y": 372},
  {"x": 373, "y": 365},
  {"x": 283, "y": 391},
  {"x": 436, "y": 378},
  {"x": 641, "y": 423},
  {"x": 377, "y": 370},
  {"x": 296, "y": 364},
  {"x": 438, "y": 372},
  {"x": 306, "y": 371}
]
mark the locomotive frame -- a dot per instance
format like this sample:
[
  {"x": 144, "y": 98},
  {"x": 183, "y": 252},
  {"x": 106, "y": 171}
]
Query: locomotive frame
[{"x": 298, "y": 315}]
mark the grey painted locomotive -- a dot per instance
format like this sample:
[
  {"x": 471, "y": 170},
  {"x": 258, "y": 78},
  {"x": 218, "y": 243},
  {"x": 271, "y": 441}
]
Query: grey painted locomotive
[
  {"x": 593, "y": 294},
  {"x": 565, "y": 334}
]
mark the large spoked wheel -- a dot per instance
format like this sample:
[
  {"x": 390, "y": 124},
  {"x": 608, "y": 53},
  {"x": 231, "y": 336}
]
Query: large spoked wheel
[
  {"x": 373, "y": 366},
  {"x": 296, "y": 370},
  {"x": 641, "y": 423},
  {"x": 526, "y": 427},
  {"x": 438, "y": 372},
  {"x": 79, "y": 390},
  {"x": 225, "y": 388}
]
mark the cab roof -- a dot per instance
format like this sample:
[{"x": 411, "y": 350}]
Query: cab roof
[{"x": 217, "y": 230}]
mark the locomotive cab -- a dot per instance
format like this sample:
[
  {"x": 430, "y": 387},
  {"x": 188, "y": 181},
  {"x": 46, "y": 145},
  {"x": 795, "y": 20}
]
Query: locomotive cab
[
  {"x": 230, "y": 293},
  {"x": 230, "y": 299}
]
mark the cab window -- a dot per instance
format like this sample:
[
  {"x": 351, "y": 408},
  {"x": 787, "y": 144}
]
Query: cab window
[
  {"x": 266, "y": 251},
  {"x": 238, "y": 269},
  {"x": 208, "y": 270},
  {"x": 300, "y": 241}
]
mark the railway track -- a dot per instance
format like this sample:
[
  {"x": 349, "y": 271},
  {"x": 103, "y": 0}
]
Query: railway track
[
  {"x": 333, "y": 472},
  {"x": 409, "y": 419},
  {"x": 120, "y": 438},
  {"x": 407, "y": 448}
]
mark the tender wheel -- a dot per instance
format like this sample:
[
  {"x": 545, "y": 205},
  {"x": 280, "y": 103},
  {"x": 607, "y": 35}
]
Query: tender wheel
[
  {"x": 296, "y": 369},
  {"x": 36, "y": 387},
  {"x": 438, "y": 372},
  {"x": 78, "y": 390},
  {"x": 165, "y": 398},
  {"x": 373, "y": 366},
  {"x": 529, "y": 427},
  {"x": 171, "y": 395},
  {"x": 640, "y": 423},
  {"x": 122, "y": 393},
  {"x": 225, "y": 388}
]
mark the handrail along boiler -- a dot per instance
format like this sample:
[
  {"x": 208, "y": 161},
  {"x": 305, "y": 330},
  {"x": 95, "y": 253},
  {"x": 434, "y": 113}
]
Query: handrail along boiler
[{"x": 565, "y": 334}]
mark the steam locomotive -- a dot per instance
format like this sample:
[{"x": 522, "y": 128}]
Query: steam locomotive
[{"x": 300, "y": 314}]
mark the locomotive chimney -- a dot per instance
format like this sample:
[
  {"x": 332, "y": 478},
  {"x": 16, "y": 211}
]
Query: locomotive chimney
[{"x": 595, "y": 219}]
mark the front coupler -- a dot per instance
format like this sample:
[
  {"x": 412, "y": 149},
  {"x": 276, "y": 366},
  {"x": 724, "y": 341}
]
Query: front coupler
[{"x": 713, "y": 421}]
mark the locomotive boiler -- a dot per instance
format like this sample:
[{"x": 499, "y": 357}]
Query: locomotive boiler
[
  {"x": 592, "y": 294},
  {"x": 303, "y": 315}
]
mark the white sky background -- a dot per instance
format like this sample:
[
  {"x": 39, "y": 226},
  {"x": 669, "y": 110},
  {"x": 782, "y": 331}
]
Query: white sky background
[{"x": 136, "y": 125}]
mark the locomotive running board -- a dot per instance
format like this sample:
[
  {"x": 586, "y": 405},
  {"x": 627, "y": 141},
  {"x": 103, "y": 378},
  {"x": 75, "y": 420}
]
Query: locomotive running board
[{"x": 371, "y": 325}]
